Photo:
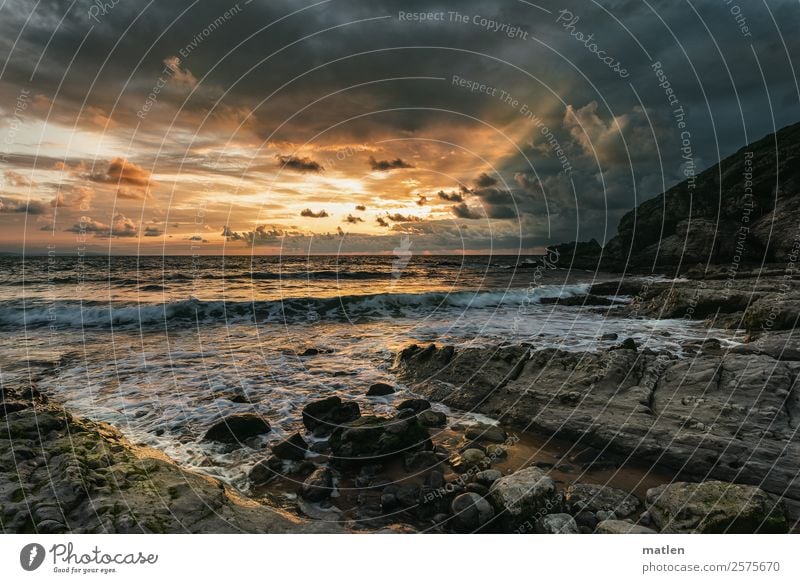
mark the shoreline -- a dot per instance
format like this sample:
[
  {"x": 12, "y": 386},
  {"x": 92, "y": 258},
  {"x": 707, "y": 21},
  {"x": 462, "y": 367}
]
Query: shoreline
[{"x": 715, "y": 414}]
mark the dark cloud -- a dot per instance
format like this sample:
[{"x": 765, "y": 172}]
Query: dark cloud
[
  {"x": 386, "y": 165},
  {"x": 31, "y": 207},
  {"x": 462, "y": 211},
  {"x": 297, "y": 164},
  {"x": 382, "y": 222},
  {"x": 361, "y": 207},
  {"x": 450, "y": 196},
  {"x": 484, "y": 181},
  {"x": 308, "y": 213},
  {"x": 354, "y": 220},
  {"x": 422, "y": 200},
  {"x": 153, "y": 232},
  {"x": 400, "y": 218}
]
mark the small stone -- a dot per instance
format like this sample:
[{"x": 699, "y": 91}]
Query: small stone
[
  {"x": 472, "y": 457},
  {"x": 470, "y": 512},
  {"x": 605, "y": 515},
  {"x": 557, "y": 524}
]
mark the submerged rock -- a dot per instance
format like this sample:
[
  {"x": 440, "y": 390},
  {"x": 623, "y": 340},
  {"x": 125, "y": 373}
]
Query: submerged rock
[
  {"x": 237, "y": 428},
  {"x": 714, "y": 507}
]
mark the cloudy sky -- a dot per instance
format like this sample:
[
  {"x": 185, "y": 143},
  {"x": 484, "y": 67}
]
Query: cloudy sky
[{"x": 341, "y": 126}]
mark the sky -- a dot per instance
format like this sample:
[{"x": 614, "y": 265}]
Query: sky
[{"x": 336, "y": 126}]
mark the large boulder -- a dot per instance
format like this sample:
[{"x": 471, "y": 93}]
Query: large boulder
[
  {"x": 371, "y": 438},
  {"x": 237, "y": 428},
  {"x": 595, "y": 497},
  {"x": 470, "y": 512},
  {"x": 714, "y": 507},
  {"x": 524, "y": 496},
  {"x": 323, "y": 416}
]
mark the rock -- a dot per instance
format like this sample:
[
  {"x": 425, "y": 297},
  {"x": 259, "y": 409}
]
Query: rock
[
  {"x": 431, "y": 418},
  {"x": 729, "y": 416},
  {"x": 265, "y": 470},
  {"x": 594, "y": 497},
  {"x": 318, "y": 486},
  {"x": 470, "y": 512},
  {"x": 606, "y": 515},
  {"x": 420, "y": 460},
  {"x": 627, "y": 344},
  {"x": 237, "y": 428},
  {"x": 488, "y": 477},
  {"x": 714, "y": 507},
  {"x": 609, "y": 336},
  {"x": 325, "y": 415},
  {"x": 622, "y": 527},
  {"x": 371, "y": 438},
  {"x": 491, "y": 433},
  {"x": 524, "y": 496},
  {"x": 495, "y": 451},
  {"x": 557, "y": 524},
  {"x": 473, "y": 458},
  {"x": 96, "y": 481},
  {"x": 699, "y": 220},
  {"x": 380, "y": 390},
  {"x": 293, "y": 448},
  {"x": 477, "y": 488},
  {"x": 586, "y": 519},
  {"x": 407, "y": 496},
  {"x": 314, "y": 351},
  {"x": 416, "y": 405}
]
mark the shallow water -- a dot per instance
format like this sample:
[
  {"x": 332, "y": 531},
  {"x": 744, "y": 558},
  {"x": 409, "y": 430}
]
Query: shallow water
[{"x": 162, "y": 347}]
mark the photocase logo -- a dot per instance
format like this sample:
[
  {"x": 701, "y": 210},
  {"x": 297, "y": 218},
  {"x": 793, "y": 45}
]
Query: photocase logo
[
  {"x": 402, "y": 255},
  {"x": 31, "y": 556}
]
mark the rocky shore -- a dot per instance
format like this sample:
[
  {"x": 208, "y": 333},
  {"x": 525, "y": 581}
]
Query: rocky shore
[
  {"x": 63, "y": 474},
  {"x": 718, "y": 411},
  {"x": 615, "y": 440}
]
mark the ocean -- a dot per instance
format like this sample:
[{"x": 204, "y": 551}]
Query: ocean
[{"x": 161, "y": 347}]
